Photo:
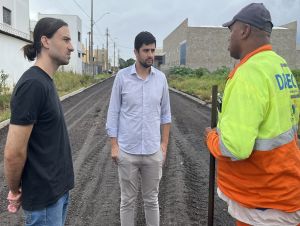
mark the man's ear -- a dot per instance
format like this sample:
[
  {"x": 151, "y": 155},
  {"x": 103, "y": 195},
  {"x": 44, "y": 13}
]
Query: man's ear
[
  {"x": 246, "y": 30},
  {"x": 45, "y": 42}
]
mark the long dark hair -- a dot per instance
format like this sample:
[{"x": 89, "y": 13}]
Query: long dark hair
[{"x": 45, "y": 27}]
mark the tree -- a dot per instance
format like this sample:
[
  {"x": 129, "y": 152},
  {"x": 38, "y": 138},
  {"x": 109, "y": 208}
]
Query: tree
[
  {"x": 130, "y": 61},
  {"x": 123, "y": 63}
]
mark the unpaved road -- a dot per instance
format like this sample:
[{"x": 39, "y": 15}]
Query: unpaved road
[{"x": 96, "y": 196}]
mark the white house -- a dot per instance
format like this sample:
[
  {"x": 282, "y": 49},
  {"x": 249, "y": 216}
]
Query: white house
[
  {"x": 14, "y": 34},
  {"x": 75, "y": 27}
]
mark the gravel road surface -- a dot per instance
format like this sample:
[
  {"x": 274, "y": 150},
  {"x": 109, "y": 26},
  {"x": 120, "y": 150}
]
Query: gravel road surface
[{"x": 95, "y": 199}]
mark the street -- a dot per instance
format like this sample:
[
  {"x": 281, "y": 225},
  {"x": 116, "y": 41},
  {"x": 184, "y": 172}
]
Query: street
[{"x": 95, "y": 199}]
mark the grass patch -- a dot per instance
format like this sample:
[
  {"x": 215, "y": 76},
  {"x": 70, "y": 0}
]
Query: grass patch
[
  {"x": 4, "y": 107},
  {"x": 67, "y": 82},
  {"x": 198, "y": 82},
  {"x": 4, "y": 114},
  {"x": 4, "y": 101},
  {"x": 198, "y": 86}
]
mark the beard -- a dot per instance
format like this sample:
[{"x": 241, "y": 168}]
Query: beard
[
  {"x": 60, "y": 60},
  {"x": 63, "y": 62},
  {"x": 145, "y": 64}
]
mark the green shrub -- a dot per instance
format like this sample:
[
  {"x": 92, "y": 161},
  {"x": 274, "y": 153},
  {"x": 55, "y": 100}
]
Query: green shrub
[
  {"x": 296, "y": 73},
  {"x": 199, "y": 86},
  {"x": 3, "y": 86},
  {"x": 223, "y": 71},
  {"x": 181, "y": 70},
  {"x": 4, "y": 101},
  {"x": 200, "y": 72}
]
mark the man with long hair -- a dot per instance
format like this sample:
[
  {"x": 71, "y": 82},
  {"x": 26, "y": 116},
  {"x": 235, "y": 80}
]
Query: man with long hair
[{"x": 37, "y": 159}]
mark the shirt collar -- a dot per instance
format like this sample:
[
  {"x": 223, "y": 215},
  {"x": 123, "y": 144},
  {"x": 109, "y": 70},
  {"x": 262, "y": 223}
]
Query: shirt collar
[
  {"x": 133, "y": 70},
  {"x": 248, "y": 56}
]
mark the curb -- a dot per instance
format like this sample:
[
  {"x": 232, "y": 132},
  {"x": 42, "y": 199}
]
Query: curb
[
  {"x": 80, "y": 90},
  {"x": 6, "y": 122},
  {"x": 202, "y": 102}
]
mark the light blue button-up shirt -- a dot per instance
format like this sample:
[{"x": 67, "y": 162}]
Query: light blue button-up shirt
[{"x": 136, "y": 110}]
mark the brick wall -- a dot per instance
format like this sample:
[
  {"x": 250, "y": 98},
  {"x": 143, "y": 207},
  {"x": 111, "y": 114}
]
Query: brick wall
[
  {"x": 172, "y": 42},
  {"x": 207, "y": 46}
]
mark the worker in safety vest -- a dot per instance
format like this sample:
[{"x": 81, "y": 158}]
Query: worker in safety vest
[{"x": 255, "y": 141}]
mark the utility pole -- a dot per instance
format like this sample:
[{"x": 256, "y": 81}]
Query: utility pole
[
  {"x": 97, "y": 61},
  {"x": 106, "y": 66},
  {"x": 89, "y": 33},
  {"x": 114, "y": 54},
  {"x": 86, "y": 50},
  {"x": 92, "y": 24},
  {"x": 118, "y": 62},
  {"x": 97, "y": 54},
  {"x": 102, "y": 58}
]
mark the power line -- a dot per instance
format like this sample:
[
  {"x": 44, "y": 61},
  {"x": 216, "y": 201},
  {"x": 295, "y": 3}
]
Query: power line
[
  {"x": 110, "y": 38},
  {"x": 85, "y": 23},
  {"x": 98, "y": 30},
  {"x": 79, "y": 6},
  {"x": 124, "y": 47}
]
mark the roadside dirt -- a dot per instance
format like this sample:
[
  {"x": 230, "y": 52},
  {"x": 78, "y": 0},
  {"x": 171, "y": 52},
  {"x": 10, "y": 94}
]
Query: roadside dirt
[{"x": 96, "y": 196}]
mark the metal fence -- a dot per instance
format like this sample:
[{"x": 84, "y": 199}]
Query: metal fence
[{"x": 88, "y": 69}]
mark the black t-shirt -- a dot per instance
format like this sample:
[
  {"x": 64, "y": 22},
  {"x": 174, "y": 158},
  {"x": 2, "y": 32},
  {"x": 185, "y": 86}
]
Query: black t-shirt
[{"x": 48, "y": 171}]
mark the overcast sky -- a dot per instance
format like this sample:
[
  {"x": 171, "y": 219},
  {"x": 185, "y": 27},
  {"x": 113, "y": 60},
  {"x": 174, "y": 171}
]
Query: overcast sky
[{"x": 127, "y": 18}]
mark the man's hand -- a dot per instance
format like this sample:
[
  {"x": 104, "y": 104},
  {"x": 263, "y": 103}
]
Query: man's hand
[
  {"x": 164, "y": 148},
  {"x": 165, "y": 139},
  {"x": 206, "y": 132},
  {"x": 114, "y": 149},
  {"x": 14, "y": 200},
  {"x": 115, "y": 152}
]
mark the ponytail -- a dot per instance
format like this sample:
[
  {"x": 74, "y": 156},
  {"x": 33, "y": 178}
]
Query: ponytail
[{"x": 29, "y": 52}]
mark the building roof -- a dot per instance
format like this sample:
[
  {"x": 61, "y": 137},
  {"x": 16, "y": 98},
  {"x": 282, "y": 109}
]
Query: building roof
[{"x": 159, "y": 52}]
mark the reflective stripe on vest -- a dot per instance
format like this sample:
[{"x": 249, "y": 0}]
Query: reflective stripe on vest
[
  {"x": 269, "y": 144},
  {"x": 225, "y": 152},
  {"x": 262, "y": 144}
]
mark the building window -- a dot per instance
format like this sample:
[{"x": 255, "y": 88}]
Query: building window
[
  {"x": 182, "y": 53},
  {"x": 6, "y": 16},
  {"x": 79, "y": 36},
  {"x": 79, "y": 55}
]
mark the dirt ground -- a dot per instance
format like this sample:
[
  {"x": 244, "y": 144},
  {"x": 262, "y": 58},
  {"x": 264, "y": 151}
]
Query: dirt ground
[{"x": 95, "y": 199}]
